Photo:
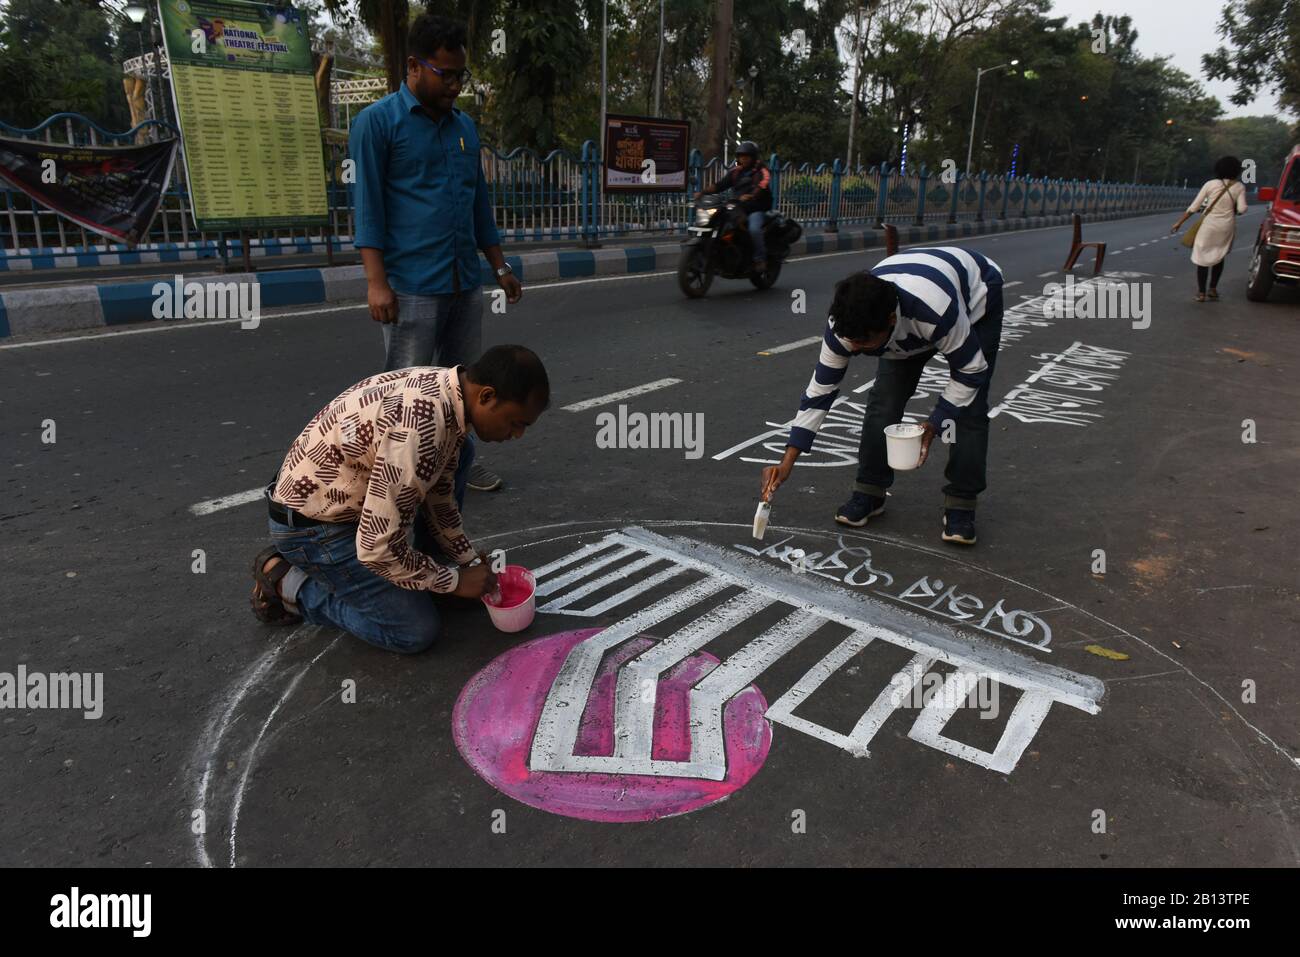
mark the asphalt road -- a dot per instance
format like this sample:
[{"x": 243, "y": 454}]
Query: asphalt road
[{"x": 223, "y": 741}]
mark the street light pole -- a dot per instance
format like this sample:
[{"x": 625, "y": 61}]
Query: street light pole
[
  {"x": 135, "y": 11},
  {"x": 604, "y": 32},
  {"x": 1169, "y": 157},
  {"x": 853, "y": 105},
  {"x": 740, "y": 103},
  {"x": 740, "y": 111},
  {"x": 726, "y": 131},
  {"x": 1170, "y": 162},
  {"x": 155, "y": 38},
  {"x": 970, "y": 146},
  {"x": 659, "y": 60}
]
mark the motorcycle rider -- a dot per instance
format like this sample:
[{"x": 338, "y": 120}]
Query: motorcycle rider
[{"x": 752, "y": 181}]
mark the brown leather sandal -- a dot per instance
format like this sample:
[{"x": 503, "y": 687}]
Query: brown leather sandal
[{"x": 267, "y": 604}]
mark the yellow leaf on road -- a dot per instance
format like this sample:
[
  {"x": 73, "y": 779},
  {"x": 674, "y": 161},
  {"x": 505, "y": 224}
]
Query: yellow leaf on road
[{"x": 1106, "y": 653}]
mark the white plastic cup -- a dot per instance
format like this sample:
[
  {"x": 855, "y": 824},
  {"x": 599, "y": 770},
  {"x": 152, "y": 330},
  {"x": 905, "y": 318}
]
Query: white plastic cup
[
  {"x": 903, "y": 445},
  {"x": 520, "y": 614}
]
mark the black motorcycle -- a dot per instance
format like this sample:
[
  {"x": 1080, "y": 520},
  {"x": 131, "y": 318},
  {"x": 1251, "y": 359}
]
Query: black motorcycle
[{"x": 720, "y": 243}]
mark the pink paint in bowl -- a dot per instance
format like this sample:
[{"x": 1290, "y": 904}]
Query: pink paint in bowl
[{"x": 513, "y": 605}]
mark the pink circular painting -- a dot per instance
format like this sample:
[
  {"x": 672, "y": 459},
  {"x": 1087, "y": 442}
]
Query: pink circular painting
[{"x": 497, "y": 713}]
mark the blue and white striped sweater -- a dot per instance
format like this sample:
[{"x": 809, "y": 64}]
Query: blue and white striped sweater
[{"x": 942, "y": 293}]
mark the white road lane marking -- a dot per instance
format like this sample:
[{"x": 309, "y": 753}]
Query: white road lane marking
[
  {"x": 1044, "y": 275},
  {"x": 1008, "y": 285},
  {"x": 173, "y": 326},
  {"x": 226, "y": 501},
  {"x": 623, "y": 394},
  {"x": 797, "y": 344}
]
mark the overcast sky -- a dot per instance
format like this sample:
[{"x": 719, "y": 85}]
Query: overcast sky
[{"x": 1179, "y": 29}]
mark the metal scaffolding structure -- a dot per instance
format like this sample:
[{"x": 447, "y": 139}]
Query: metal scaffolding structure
[{"x": 357, "y": 90}]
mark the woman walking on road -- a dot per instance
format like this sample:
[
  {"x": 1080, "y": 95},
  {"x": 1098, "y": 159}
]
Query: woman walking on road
[{"x": 1217, "y": 228}]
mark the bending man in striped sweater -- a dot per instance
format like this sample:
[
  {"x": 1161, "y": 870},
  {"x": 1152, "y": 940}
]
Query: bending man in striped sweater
[{"x": 905, "y": 310}]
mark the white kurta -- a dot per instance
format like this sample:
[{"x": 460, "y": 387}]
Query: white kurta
[{"x": 1214, "y": 238}]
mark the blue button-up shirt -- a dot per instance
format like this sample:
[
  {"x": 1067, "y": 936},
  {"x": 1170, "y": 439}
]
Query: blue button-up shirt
[{"x": 420, "y": 195}]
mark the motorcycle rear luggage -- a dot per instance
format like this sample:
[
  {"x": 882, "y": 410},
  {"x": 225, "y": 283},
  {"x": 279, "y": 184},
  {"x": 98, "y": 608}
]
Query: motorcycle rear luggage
[{"x": 783, "y": 230}]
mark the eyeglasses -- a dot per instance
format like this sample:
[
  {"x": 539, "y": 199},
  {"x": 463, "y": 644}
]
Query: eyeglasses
[{"x": 459, "y": 77}]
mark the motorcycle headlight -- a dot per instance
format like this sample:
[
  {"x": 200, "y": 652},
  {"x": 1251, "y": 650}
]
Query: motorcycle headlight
[{"x": 702, "y": 216}]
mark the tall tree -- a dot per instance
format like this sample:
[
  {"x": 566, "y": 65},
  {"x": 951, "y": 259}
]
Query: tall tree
[
  {"x": 63, "y": 57},
  {"x": 388, "y": 21},
  {"x": 547, "y": 44},
  {"x": 1264, "y": 52},
  {"x": 719, "y": 79}
]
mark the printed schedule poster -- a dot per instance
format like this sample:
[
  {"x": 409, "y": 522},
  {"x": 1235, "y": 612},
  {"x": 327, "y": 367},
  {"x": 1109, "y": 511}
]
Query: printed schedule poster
[{"x": 246, "y": 97}]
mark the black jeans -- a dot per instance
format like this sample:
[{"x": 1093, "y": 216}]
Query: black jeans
[
  {"x": 1205, "y": 272},
  {"x": 896, "y": 381}
]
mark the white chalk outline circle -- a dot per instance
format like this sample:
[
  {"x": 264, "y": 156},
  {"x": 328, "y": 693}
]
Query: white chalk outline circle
[{"x": 272, "y": 679}]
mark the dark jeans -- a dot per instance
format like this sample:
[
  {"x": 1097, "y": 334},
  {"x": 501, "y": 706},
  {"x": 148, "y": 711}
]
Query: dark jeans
[
  {"x": 444, "y": 330},
  {"x": 342, "y": 592},
  {"x": 896, "y": 381},
  {"x": 1211, "y": 273}
]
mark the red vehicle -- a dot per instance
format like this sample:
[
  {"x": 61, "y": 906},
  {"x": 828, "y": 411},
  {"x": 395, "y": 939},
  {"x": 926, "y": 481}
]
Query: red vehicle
[{"x": 1277, "y": 247}]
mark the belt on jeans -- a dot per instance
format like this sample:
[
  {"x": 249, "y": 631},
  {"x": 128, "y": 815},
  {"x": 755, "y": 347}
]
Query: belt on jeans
[{"x": 287, "y": 516}]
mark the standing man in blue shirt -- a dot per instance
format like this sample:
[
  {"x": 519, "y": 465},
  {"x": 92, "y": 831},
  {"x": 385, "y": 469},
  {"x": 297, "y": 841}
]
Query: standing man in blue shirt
[{"x": 422, "y": 215}]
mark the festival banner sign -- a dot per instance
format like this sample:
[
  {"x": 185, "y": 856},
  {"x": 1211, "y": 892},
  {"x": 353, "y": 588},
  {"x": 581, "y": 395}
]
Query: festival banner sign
[
  {"x": 645, "y": 155},
  {"x": 245, "y": 94},
  {"x": 112, "y": 190}
]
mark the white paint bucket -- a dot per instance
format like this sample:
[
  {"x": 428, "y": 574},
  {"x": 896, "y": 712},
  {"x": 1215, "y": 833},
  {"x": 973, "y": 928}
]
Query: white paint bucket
[
  {"x": 903, "y": 445},
  {"x": 513, "y": 605}
]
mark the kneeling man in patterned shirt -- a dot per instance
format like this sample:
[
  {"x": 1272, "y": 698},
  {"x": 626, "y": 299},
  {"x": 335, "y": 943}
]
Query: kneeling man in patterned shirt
[{"x": 387, "y": 457}]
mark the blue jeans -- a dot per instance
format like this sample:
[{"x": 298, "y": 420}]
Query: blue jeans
[
  {"x": 896, "y": 381},
  {"x": 442, "y": 330},
  {"x": 756, "y": 220},
  {"x": 445, "y": 330},
  {"x": 341, "y": 592}
]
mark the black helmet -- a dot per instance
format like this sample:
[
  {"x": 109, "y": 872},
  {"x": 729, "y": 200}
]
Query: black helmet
[{"x": 747, "y": 148}]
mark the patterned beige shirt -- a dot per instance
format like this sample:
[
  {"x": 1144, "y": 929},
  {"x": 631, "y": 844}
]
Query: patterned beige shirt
[{"x": 382, "y": 451}]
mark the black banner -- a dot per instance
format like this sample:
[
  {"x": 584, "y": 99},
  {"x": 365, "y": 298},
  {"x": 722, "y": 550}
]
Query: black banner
[
  {"x": 111, "y": 907},
  {"x": 113, "y": 190},
  {"x": 645, "y": 155}
]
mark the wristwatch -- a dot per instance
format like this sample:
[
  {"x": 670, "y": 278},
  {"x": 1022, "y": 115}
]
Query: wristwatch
[{"x": 503, "y": 270}]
